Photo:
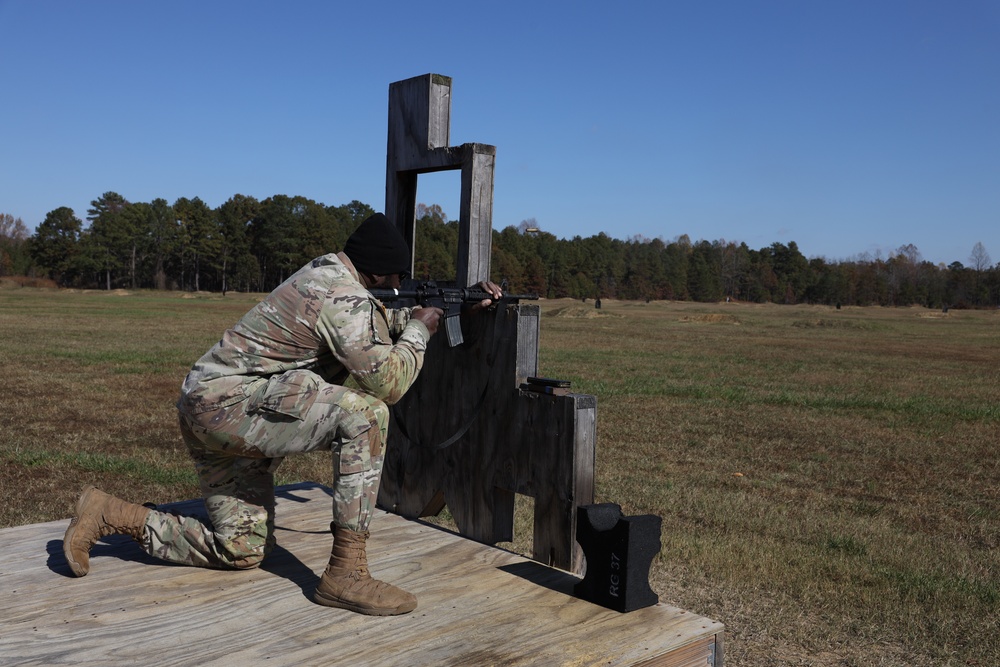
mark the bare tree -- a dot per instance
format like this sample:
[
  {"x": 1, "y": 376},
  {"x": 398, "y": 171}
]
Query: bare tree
[
  {"x": 12, "y": 229},
  {"x": 911, "y": 252},
  {"x": 980, "y": 261},
  {"x": 13, "y": 246},
  {"x": 434, "y": 210},
  {"x": 979, "y": 258}
]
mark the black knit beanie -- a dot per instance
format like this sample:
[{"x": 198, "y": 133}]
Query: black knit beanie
[{"x": 377, "y": 248}]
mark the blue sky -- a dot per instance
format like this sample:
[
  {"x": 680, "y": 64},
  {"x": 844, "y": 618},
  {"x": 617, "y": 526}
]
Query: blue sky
[{"x": 849, "y": 127}]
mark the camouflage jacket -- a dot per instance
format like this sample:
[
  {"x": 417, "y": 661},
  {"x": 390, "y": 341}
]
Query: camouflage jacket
[{"x": 322, "y": 319}]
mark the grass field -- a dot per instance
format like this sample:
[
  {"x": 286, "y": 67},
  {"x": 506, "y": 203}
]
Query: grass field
[{"x": 827, "y": 478}]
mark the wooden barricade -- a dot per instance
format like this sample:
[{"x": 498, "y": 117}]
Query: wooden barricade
[{"x": 466, "y": 435}]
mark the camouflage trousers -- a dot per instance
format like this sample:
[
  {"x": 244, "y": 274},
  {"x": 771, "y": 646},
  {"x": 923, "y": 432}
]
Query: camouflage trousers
[{"x": 236, "y": 450}]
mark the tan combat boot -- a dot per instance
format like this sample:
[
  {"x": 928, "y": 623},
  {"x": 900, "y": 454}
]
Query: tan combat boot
[
  {"x": 99, "y": 515},
  {"x": 347, "y": 583}
]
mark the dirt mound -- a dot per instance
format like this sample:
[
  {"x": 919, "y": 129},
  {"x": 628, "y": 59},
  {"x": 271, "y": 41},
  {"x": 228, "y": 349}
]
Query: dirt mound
[
  {"x": 578, "y": 312},
  {"x": 711, "y": 318},
  {"x": 826, "y": 323}
]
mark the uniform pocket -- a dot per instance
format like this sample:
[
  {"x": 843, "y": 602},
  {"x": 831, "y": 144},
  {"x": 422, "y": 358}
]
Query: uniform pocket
[
  {"x": 354, "y": 431},
  {"x": 380, "y": 325},
  {"x": 289, "y": 394}
]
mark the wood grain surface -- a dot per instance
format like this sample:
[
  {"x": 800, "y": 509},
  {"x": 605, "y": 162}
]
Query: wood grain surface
[{"x": 478, "y": 605}]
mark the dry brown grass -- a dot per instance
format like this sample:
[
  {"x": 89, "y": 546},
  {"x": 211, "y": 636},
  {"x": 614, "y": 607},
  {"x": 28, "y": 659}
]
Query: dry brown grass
[
  {"x": 827, "y": 479},
  {"x": 15, "y": 282}
]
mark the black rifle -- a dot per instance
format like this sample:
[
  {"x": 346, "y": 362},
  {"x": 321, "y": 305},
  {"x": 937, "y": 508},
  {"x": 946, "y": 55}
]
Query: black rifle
[{"x": 448, "y": 299}]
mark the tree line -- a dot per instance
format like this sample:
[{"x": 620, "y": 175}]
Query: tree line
[{"x": 252, "y": 246}]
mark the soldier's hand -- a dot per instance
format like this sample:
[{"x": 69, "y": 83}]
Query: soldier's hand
[
  {"x": 430, "y": 316},
  {"x": 491, "y": 288}
]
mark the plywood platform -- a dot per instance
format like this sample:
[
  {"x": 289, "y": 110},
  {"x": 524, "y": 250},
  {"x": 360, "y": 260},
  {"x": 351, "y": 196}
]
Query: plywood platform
[{"x": 478, "y": 605}]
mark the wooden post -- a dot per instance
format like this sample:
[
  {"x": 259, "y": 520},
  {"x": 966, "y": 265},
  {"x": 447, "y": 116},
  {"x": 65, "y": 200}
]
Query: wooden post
[
  {"x": 419, "y": 128},
  {"x": 508, "y": 440}
]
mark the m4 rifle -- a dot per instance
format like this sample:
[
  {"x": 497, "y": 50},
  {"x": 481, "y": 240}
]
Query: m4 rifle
[{"x": 448, "y": 299}]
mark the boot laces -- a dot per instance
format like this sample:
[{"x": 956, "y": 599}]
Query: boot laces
[{"x": 361, "y": 567}]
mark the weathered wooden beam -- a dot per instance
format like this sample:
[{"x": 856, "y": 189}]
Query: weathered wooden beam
[
  {"x": 418, "y": 143},
  {"x": 475, "y": 225}
]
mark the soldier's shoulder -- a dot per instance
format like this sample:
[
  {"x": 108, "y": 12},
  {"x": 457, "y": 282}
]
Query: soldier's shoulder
[
  {"x": 327, "y": 265},
  {"x": 328, "y": 260},
  {"x": 328, "y": 271}
]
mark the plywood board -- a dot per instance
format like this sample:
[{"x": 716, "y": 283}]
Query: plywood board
[{"x": 478, "y": 605}]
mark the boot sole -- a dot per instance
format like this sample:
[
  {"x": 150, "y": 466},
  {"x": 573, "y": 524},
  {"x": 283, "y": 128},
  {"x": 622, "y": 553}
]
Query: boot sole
[
  {"x": 319, "y": 598},
  {"x": 79, "y": 569}
]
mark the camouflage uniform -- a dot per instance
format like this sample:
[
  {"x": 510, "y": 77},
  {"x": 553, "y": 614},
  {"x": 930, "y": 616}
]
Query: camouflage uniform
[{"x": 278, "y": 383}]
